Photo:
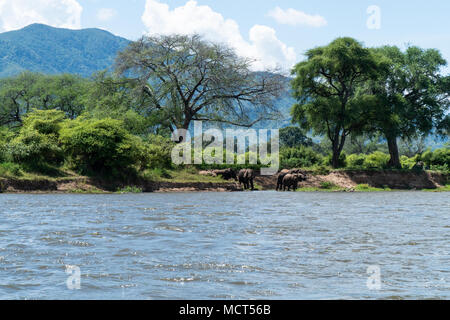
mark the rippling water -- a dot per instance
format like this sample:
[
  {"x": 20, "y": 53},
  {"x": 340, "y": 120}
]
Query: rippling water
[{"x": 260, "y": 245}]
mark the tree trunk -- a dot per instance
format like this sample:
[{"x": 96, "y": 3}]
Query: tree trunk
[
  {"x": 338, "y": 145},
  {"x": 394, "y": 161}
]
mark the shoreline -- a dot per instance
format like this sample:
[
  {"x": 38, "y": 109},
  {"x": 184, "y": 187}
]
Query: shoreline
[{"x": 335, "y": 181}]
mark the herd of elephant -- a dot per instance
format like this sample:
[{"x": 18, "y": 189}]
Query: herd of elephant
[{"x": 286, "y": 179}]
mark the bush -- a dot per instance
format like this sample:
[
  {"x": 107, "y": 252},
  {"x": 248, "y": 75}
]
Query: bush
[
  {"x": 37, "y": 144},
  {"x": 376, "y": 160},
  {"x": 438, "y": 159},
  {"x": 299, "y": 157},
  {"x": 409, "y": 163},
  {"x": 5, "y": 137},
  {"x": 10, "y": 169},
  {"x": 441, "y": 157},
  {"x": 158, "y": 152},
  {"x": 356, "y": 160},
  {"x": 102, "y": 147}
]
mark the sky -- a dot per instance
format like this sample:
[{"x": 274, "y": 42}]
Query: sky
[{"x": 273, "y": 33}]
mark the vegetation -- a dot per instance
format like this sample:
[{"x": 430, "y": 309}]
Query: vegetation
[
  {"x": 344, "y": 89},
  {"x": 185, "y": 78},
  {"x": 367, "y": 107},
  {"x": 41, "y": 48}
]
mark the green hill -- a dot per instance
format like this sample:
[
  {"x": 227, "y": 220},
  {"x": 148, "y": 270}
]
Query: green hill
[{"x": 49, "y": 50}]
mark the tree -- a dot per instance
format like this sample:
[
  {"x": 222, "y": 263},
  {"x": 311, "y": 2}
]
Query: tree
[
  {"x": 186, "y": 78},
  {"x": 326, "y": 88},
  {"x": 16, "y": 98},
  {"x": 294, "y": 137},
  {"x": 27, "y": 91},
  {"x": 412, "y": 97}
]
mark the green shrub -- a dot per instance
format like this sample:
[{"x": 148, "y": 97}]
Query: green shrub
[
  {"x": 327, "y": 185},
  {"x": 409, "y": 163},
  {"x": 102, "y": 147},
  {"x": 355, "y": 160},
  {"x": 158, "y": 151},
  {"x": 441, "y": 157},
  {"x": 36, "y": 145},
  {"x": 5, "y": 137},
  {"x": 376, "y": 160},
  {"x": 299, "y": 157},
  {"x": 10, "y": 169}
]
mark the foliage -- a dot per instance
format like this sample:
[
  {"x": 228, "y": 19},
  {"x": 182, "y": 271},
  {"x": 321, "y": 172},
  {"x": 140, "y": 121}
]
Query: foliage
[
  {"x": 412, "y": 97},
  {"x": 158, "y": 151},
  {"x": 376, "y": 160},
  {"x": 293, "y": 137},
  {"x": 326, "y": 89},
  {"x": 185, "y": 78},
  {"x": 36, "y": 145},
  {"x": 102, "y": 147},
  {"x": 27, "y": 91},
  {"x": 10, "y": 169},
  {"x": 299, "y": 157}
]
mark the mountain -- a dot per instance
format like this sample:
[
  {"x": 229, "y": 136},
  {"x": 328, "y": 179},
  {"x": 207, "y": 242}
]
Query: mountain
[{"x": 49, "y": 50}]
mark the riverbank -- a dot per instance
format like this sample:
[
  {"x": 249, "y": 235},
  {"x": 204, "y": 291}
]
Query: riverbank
[{"x": 189, "y": 181}]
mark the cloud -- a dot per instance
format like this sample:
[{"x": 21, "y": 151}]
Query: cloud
[
  {"x": 105, "y": 14},
  {"x": 15, "y": 14},
  {"x": 297, "y": 18},
  {"x": 263, "y": 44}
]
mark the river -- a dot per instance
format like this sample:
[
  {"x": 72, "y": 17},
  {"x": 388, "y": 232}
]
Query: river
[{"x": 248, "y": 245}]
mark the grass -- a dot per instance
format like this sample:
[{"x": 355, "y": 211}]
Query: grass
[
  {"x": 185, "y": 175},
  {"x": 129, "y": 189},
  {"x": 367, "y": 188},
  {"x": 445, "y": 188}
]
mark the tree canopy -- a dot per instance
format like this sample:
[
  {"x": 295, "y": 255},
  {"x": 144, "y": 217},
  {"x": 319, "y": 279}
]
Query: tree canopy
[
  {"x": 186, "y": 78},
  {"x": 326, "y": 87},
  {"x": 412, "y": 98}
]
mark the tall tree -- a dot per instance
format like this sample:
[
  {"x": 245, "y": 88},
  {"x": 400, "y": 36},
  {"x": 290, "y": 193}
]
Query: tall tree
[
  {"x": 326, "y": 87},
  {"x": 186, "y": 78},
  {"x": 412, "y": 97}
]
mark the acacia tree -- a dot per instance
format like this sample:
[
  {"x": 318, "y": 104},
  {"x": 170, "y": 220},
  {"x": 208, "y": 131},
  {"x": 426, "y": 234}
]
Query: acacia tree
[
  {"x": 412, "y": 98},
  {"x": 327, "y": 88},
  {"x": 186, "y": 78},
  {"x": 28, "y": 90}
]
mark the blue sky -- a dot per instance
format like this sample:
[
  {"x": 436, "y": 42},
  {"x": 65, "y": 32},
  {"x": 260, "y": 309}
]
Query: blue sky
[{"x": 258, "y": 29}]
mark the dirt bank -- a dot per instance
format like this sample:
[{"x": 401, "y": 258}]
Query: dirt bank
[
  {"x": 406, "y": 180},
  {"x": 86, "y": 185}
]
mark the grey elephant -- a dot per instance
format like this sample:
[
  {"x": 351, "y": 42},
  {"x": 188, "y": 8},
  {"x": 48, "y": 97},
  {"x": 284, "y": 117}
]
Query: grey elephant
[
  {"x": 284, "y": 172},
  {"x": 291, "y": 180},
  {"x": 226, "y": 174},
  {"x": 280, "y": 178},
  {"x": 246, "y": 177}
]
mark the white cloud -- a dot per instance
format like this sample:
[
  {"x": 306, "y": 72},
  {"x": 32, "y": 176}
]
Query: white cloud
[
  {"x": 15, "y": 14},
  {"x": 105, "y": 14},
  {"x": 294, "y": 18},
  {"x": 264, "y": 46}
]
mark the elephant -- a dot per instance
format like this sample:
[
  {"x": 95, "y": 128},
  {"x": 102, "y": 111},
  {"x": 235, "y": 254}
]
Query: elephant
[
  {"x": 226, "y": 174},
  {"x": 246, "y": 177},
  {"x": 284, "y": 172},
  {"x": 291, "y": 180},
  {"x": 280, "y": 177}
]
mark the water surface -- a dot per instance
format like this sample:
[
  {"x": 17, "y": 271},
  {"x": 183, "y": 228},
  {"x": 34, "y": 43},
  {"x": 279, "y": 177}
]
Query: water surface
[{"x": 260, "y": 245}]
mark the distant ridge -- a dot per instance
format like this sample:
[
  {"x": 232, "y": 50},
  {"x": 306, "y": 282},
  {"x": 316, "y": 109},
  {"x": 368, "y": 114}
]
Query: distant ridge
[{"x": 41, "y": 48}]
